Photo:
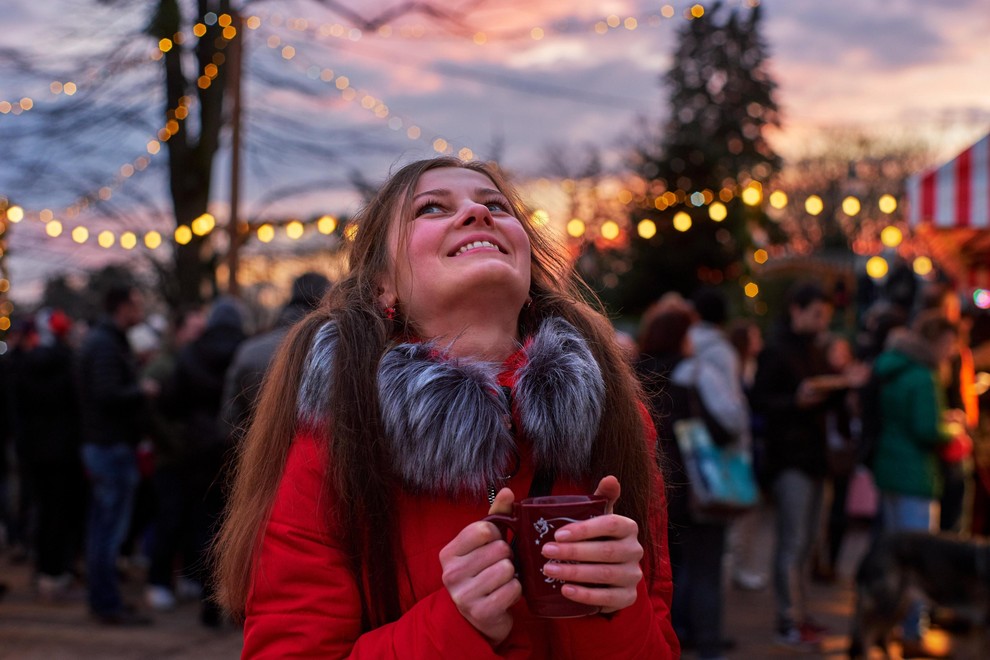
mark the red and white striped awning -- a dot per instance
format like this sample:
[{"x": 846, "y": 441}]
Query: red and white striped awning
[{"x": 955, "y": 195}]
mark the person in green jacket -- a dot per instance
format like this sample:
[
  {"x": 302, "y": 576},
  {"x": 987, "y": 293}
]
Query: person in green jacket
[{"x": 915, "y": 423}]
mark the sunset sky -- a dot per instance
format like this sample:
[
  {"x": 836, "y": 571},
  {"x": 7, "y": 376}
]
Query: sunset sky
[{"x": 524, "y": 74}]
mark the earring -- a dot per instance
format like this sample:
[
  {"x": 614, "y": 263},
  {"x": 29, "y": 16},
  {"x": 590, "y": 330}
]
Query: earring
[
  {"x": 528, "y": 303},
  {"x": 390, "y": 312}
]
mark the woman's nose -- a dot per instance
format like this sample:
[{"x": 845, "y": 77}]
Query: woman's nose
[{"x": 476, "y": 213}]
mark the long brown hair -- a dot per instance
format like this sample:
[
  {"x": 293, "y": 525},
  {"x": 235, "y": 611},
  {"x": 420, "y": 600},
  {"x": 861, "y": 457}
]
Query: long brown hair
[{"x": 359, "y": 481}]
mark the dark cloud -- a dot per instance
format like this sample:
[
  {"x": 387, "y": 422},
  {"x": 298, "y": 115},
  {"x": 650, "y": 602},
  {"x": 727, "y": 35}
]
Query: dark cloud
[{"x": 894, "y": 36}]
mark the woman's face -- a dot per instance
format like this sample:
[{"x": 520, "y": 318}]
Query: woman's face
[{"x": 462, "y": 247}]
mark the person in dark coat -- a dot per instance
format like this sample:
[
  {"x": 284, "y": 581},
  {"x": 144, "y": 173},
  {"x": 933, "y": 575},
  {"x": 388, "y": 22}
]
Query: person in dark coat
[
  {"x": 171, "y": 542},
  {"x": 48, "y": 408},
  {"x": 193, "y": 397},
  {"x": 787, "y": 390},
  {"x": 113, "y": 414},
  {"x": 243, "y": 379}
]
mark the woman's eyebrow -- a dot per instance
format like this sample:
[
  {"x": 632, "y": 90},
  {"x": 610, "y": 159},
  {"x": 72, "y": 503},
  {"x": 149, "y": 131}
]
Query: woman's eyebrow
[
  {"x": 438, "y": 192},
  {"x": 442, "y": 192}
]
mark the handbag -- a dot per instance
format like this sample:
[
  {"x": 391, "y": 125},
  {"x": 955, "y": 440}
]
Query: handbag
[
  {"x": 721, "y": 480},
  {"x": 862, "y": 498}
]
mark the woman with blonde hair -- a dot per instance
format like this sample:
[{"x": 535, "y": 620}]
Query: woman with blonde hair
[{"x": 455, "y": 369}]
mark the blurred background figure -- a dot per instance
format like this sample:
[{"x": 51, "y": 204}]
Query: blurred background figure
[
  {"x": 794, "y": 400},
  {"x": 243, "y": 378},
  {"x": 842, "y": 426},
  {"x": 748, "y": 573},
  {"x": 17, "y": 498},
  {"x": 114, "y": 412},
  {"x": 915, "y": 426},
  {"x": 958, "y": 378},
  {"x": 172, "y": 546},
  {"x": 675, "y": 378},
  {"x": 49, "y": 418},
  {"x": 193, "y": 397}
]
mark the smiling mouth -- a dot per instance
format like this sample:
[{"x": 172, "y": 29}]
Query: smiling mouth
[{"x": 475, "y": 245}]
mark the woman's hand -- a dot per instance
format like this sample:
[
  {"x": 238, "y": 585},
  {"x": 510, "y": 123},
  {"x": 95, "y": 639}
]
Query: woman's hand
[
  {"x": 607, "y": 552},
  {"x": 480, "y": 576}
]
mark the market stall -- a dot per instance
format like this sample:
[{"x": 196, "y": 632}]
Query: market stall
[{"x": 949, "y": 208}]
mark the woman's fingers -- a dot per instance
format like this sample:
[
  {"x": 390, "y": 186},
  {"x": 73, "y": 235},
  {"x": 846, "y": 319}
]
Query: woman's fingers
[
  {"x": 618, "y": 575},
  {"x": 609, "y": 526},
  {"x": 610, "y": 488},
  {"x": 503, "y": 502},
  {"x": 609, "y": 600}
]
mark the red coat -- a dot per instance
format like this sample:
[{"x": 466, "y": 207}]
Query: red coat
[{"x": 304, "y": 602}]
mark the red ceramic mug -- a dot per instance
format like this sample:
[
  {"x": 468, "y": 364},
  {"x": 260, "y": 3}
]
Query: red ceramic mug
[{"x": 533, "y": 523}]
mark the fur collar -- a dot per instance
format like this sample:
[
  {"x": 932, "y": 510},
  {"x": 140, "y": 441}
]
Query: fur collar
[{"x": 449, "y": 424}]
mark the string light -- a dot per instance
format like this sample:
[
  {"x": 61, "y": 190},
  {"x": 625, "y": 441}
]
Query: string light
[
  {"x": 368, "y": 101},
  {"x": 480, "y": 38},
  {"x": 646, "y": 229}
]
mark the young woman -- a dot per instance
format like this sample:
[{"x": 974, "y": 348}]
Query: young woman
[{"x": 455, "y": 369}]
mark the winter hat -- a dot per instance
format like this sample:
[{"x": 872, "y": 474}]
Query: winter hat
[
  {"x": 308, "y": 290},
  {"x": 225, "y": 312}
]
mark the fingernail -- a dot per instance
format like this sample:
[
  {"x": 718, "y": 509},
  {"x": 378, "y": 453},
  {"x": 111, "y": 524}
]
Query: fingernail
[
  {"x": 562, "y": 535},
  {"x": 550, "y": 550},
  {"x": 568, "y": 590},
  {"x": 551, "y": 569}
]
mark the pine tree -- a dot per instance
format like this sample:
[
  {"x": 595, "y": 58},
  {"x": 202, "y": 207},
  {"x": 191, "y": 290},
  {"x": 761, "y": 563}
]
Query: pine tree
[{"x": 721, "y": 103}]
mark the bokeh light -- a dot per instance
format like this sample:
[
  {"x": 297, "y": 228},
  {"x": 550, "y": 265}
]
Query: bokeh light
[
  {"x": 887, "y": 204},
  {"x": 877, "y": 267},
  {"x": 682, "y": 221},
  {"x": 717, "y": 211},
  {"x": 646, "y": 229},
  {"x": 891, "y": 236},
  {"x": 814, "y": 205},
  {"x": 922, "y": 265},
  {"x": 851, "y": 206},
  {"x": 326, "y": 224},
  {"x": 610, "y": 230}
]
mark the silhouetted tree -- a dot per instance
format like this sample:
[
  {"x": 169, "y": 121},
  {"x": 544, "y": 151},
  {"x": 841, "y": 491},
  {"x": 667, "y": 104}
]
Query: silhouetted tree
[{"x": 713, "y": 143}]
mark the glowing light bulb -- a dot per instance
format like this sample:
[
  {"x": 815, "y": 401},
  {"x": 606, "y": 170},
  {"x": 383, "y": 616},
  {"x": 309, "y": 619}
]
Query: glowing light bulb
[
  {"x": 717, "y": 211},
  {"x": 877, "y": 267},
  {"x": 326, "y": 224},
  {"x": 887, "y": 204},
  {"x": 646, "y": 229},
  {"x": 814, "y": 205},
  {"x": 891, "y": 236},
  {"x": 610, "y": 230},
  {"x": 850, "y": 206}
]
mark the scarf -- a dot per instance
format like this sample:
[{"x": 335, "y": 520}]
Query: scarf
[{"x": 449, "y": 425}]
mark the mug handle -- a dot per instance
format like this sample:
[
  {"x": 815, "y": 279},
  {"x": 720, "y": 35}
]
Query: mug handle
[{"x": 504, "y": 523}]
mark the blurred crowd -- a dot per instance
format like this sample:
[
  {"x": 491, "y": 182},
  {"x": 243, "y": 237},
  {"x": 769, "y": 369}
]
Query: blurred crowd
[
  {"x": 118, "y": 437},
  {"x": 880, "y": 423}
]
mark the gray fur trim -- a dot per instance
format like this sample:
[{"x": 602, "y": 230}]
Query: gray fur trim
[
  {"x": 560, "y": 395},
  {"x": 313, "y": 401},
  {"x": 447, "y": 421}
]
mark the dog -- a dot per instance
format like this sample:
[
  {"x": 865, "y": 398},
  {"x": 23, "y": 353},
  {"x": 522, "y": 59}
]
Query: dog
[{"x": 944, "y": 569}]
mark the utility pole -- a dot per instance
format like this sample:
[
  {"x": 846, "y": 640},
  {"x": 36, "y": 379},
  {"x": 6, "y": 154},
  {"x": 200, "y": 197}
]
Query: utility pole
[{"x": 233, "y": 223}]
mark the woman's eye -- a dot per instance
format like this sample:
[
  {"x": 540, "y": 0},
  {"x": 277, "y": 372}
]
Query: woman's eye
[
  {"x": 428, "y": 208},
  {"x": 497, "y": 207}
]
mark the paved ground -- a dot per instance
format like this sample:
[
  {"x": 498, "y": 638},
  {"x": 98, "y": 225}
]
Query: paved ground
[{"x": 31, "y": 630}]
